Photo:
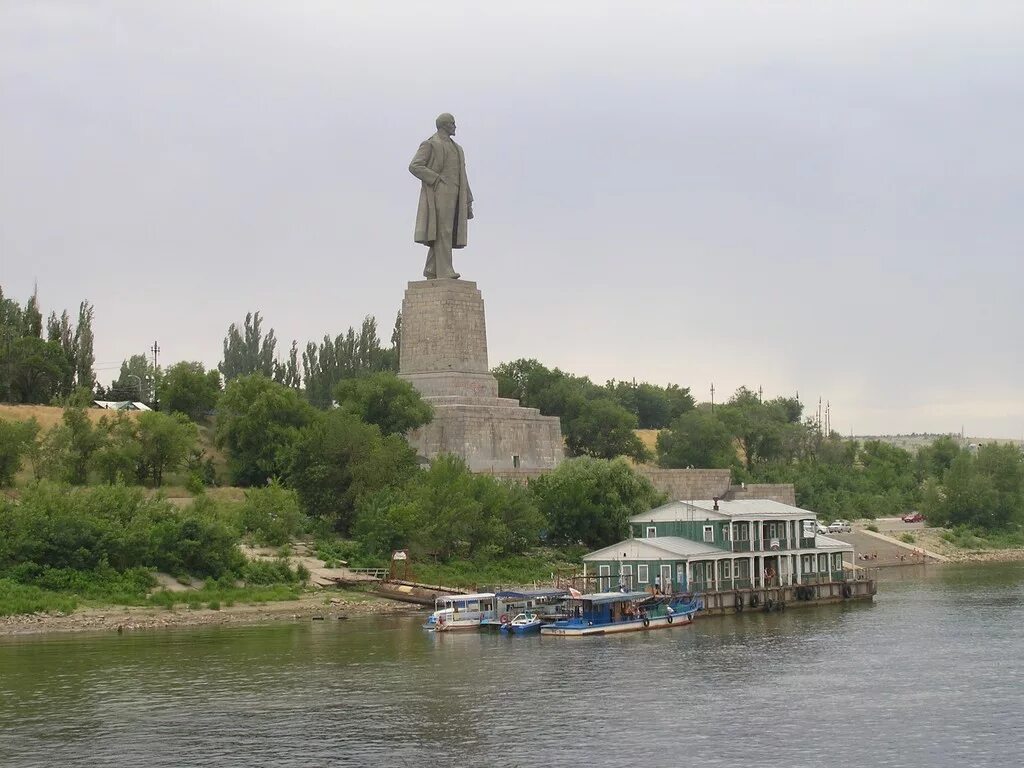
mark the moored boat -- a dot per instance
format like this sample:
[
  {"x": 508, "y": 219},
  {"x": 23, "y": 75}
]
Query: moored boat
[
  {"x": 522, "y": 624},
  {"x": 608, "y": 613},
  {"x": 455, "y": 612},
  {"x": 545, "y": 602}
]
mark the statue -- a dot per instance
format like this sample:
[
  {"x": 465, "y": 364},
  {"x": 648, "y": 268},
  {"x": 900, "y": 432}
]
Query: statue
[{"x": 446, "y": 202}]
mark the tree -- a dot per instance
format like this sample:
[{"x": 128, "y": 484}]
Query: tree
[
  {"x": 933, "y": 460},
  {"x": 250, "y": 354},
  {"x": 68, "y": 448},
  {"x": 654, "y": 407},
  {"x": 593, "y": 422},
  {"x": 447, "y": 511},
  {"x": 288, "y": 374},
  {"x": 119, "y": 457},
  {"x": 190, "y": 389},
  {"x": 589, "y": 501},
  {"x": 33, "y": 318},
  {"x": 164, "y": 442},
  {"x": 346, "y": 356},
  {"x": 384, "y": 399},
  {"x": 337, "y": 459},
  {"x": 39, "y": 371},
  {"x": 16, "y": 439},
  {"x": 760, "y": 428},
  {"x": 83, "y": 357},
  {"x": 272, "y": 514},
  {"x": 604, "y": 429},
  {"x": 136, "y": 380},
  {"x": 697, "y": 438},
  {"x": 982, "y": 491},
  {"x": 60, "y": 331},
  {"x": 258, "y": 422}
]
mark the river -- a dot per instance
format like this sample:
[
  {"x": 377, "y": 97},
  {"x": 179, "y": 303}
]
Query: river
[{"x": 930, "y": 674}]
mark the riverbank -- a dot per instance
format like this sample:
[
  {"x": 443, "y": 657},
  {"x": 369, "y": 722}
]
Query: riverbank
[
  {"x": 936, "y": 540},
  {"x": 323, "y": 606}
]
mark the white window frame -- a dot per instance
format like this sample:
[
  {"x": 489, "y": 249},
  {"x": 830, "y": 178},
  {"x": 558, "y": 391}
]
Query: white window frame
[
  {"x": 626, "y": 573},
  {"x": 709, "y": 534},
  {"x": 726, "y": 569},
  {"x": 651, "y": 532},
  {"x": 642, "y": 573}
]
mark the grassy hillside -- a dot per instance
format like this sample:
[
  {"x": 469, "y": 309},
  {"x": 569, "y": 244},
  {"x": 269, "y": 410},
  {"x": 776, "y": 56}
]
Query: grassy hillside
[{"x": 49, "y": 416}]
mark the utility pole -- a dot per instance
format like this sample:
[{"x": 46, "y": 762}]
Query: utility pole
[
  {"x": 712, "y": 397},
  {"x": 760, "y": 393},
  {"x": 155, "y": 349}
]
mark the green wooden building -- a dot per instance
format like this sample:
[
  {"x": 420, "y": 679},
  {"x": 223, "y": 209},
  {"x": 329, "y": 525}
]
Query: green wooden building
[{"x": 716, "y": 545}]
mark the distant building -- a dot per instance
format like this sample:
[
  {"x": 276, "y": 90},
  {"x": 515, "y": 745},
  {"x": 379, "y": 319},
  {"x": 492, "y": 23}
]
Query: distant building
[
  {"x": 716, "y": 545},
  {"x": 120, "y": 405}
]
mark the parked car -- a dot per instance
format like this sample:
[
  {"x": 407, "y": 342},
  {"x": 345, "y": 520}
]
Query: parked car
[
  {"x": 913, "y": 517},
  {"x": 821, "y": 528},
  {"x": 840, "y": 526}
]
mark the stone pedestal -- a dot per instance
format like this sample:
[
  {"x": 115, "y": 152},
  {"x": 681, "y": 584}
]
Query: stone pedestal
[{"x": 444, "y": 355}]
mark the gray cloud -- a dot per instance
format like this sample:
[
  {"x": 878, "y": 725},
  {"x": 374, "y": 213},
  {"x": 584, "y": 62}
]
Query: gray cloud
[{"x": 801, "y": 196}]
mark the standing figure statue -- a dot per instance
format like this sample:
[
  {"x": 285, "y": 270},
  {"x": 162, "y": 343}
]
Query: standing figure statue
[{"x": 446, "y": 202}]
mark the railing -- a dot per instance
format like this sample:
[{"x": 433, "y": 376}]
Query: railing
[
  {"x": 373, "y": 573},
  {"x": 789, "y": 580}
]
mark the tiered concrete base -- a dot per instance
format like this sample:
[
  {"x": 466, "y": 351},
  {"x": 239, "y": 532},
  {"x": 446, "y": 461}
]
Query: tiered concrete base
[{"x": 444, "y": 355}]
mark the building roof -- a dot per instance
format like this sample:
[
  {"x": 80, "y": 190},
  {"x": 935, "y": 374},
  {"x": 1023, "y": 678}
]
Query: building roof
[
  {"x": 612, "y": 597},
  {"x": 828, "y": 544},
  {"x": 121, "y": 405},
  {"x": 529, "y": 594},
  {"x": 739, "y": 509},
  {"x": 654, "y": 548}
]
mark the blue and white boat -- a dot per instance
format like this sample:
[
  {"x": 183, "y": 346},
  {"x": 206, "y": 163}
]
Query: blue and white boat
[
  {"x": 545, "y": 602},
  {"x": 522, "y": 624},
  {"x": 607, "y": 613}
]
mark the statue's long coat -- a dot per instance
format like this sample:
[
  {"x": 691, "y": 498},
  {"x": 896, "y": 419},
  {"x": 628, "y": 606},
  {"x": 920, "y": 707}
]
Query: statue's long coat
[{"x": 426, "y": 166}]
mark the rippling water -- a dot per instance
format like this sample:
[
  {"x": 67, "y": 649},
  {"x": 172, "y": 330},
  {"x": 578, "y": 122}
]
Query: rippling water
[{"x": 929, "y": 675}]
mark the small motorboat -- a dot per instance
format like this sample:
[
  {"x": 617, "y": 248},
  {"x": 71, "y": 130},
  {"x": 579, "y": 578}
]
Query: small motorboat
[{"x": 522, "y": 624}]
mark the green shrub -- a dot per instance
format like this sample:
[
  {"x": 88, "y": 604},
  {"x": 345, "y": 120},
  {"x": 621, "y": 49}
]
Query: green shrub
[
  {"x": 194, "y": 484},
  {"x": 266, "y": 572},
  {"x": 116, "y": 527},
  {"x": 872, "y": 527},
  {"x": 17, "y": 599},
  {"x": 907, "y": 538},
  {"x": 272, "y": 514}
]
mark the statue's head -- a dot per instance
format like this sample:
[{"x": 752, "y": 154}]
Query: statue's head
[{"x": 446, "y": 122}]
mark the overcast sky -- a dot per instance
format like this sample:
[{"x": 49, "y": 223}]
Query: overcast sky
[{"x": 812, "y": 197}]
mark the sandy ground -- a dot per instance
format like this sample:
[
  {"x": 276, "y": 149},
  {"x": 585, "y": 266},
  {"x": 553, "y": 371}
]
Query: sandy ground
[{"x": 312, "y": 607}]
